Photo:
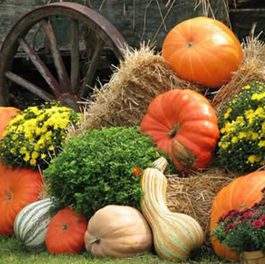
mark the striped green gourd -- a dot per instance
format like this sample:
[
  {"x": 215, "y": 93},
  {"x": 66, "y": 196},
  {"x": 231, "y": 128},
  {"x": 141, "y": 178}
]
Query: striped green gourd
[
  {"x": 31, "y": 224},
  {"x": 175, "y": 235}
]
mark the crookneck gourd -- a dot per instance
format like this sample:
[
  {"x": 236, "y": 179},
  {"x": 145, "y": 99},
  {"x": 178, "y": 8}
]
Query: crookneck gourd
[{"x": 175, "y": 235}]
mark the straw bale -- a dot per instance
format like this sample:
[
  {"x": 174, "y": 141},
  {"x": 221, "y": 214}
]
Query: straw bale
[
  {"x": 193, "y": 195},
  {"x": 252, "y": 69},
  {"x": 123, "y": 101}
]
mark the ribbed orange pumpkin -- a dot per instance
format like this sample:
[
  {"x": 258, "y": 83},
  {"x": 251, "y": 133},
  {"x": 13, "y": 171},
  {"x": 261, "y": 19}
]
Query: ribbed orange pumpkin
[
  {"x": 6, "y": 114},
  {"x": 203, "y": 50},
  {"x": 66, "y": 232},
  {"x": 240, "y": 193},
  {"x": 184, "y": 125},
  {"x": 18, "y": 188}
]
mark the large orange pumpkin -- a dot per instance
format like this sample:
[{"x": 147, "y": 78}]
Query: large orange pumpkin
[
  {"x": 184, "y": 125},
  {"x": 18, "y": 188},
  {"x": 203, "y": 50},
  {"x": 6, "y": 114},
  {"x": 66, "y": 232},
  {"x": 242, "y": 192}
]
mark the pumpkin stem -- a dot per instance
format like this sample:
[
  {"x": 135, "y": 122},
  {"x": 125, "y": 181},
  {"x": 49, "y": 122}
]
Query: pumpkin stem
[
  {"x": 190, "y": 45},
  {"x": 9, "y": 196},
  {"x": 65, "y": 227},
  {"x": 183, "y": 155},
  {"x": 160, "y": 164},
  {"x": 95, "y": 240},
  {"x": 173, "y": 131}
]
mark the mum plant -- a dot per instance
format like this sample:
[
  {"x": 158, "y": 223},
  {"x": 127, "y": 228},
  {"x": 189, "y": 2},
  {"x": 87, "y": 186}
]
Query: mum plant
[
  {"x": 36, "y": 135},
  {"x": 242, "y": 127},
  {"x": 101, "y": 167},
  {"x": 243, "y": 230}
]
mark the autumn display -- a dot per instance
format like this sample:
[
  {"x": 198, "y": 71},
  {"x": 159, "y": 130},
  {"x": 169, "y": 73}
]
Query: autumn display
[{"x": 151, "y": 165}]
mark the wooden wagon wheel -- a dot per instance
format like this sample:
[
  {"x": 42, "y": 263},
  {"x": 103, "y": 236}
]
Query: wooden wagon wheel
[{"x": 90, "y": 35}]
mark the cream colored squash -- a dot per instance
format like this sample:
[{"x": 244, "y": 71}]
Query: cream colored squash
[
  {"x": 175, "y": 235},
  {"x": 119, "y": 232}
]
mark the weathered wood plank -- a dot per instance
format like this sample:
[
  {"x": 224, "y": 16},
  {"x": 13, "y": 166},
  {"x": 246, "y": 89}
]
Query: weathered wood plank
[
  {"x": 12, "y": 10},
  {"x": 246, "y": 3},
  {"x": 150, "y": 20},
  {"x": 244, "y": 19},
  {"x": 137, "y": 20}
]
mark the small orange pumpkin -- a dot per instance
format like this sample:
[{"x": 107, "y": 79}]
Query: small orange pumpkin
[
  {"x": 242, "y": 192},
  {"x": 203, "y": 50},
  {"x": 6, "y": 114},
  {"x": 184, "y": 125},
  {"x": 66, "y": 232}
]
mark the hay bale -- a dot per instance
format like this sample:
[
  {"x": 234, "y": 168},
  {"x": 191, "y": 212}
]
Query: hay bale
[
  {"x": 252, "y": 69},
  {"x": 193, "y": 195},
  {"x": 123, "y": 101}
]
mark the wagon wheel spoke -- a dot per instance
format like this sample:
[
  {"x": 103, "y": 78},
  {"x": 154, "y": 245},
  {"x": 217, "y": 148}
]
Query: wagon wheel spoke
[
  {"x": 58, "y": 61},
  {"x": 74, "y": 55},
  {"x": 29, "y": 86},
  {"x": 40, "y": 65},
  {"x": 93, "y": 63}
]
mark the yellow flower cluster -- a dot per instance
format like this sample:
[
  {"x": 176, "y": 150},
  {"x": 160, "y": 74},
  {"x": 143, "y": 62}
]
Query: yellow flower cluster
[
  {"x": 35, "y": 135},
  {"x": 242, "y": 142}
]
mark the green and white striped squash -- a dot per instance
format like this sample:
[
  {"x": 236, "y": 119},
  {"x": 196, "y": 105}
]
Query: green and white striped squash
[
  {"x": 175, "y": 235},
  {"x": 31, "y": 224}
]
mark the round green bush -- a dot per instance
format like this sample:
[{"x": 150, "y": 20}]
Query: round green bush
[
  {"x": 101, "y": 167},
  {"x": 242, "y": 126},
  {"x": 36, "y": 135}
]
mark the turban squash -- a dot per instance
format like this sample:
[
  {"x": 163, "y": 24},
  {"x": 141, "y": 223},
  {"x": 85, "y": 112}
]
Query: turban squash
[{"x": 184, "y": 125}]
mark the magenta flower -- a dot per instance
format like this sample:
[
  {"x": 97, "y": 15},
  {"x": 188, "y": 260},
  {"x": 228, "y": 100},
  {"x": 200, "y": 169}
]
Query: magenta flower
[
  {"x": 248, "y": 214},
  {"x": 257, "y": 224},
  {"x": 230, "y": 226}
]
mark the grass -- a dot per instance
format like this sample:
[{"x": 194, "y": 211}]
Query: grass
[{"x": 12, "y": 252}]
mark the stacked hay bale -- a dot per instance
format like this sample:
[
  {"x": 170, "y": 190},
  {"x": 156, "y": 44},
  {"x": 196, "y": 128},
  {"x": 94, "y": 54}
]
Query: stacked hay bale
[
  {"x": 142, "y": 75},
  {"x": 193, "y": 195}
]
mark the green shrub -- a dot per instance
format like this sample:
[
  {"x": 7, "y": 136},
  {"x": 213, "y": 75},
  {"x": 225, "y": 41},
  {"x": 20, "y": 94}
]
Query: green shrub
[
  {"x": 242, "y": 123},
  {"x": 100, "y": 167},
  {"x": 36, "y": 134}
]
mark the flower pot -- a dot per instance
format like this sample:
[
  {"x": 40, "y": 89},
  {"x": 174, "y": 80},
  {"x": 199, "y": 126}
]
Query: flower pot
[{"x": 252, "y": 257}]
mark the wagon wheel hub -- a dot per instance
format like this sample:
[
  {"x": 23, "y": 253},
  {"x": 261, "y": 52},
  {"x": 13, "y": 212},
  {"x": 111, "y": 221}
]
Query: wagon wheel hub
[{"x": 69, "y": 100}]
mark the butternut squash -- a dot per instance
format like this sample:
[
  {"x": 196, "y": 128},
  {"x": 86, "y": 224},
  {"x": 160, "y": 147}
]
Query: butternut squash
[{"x": 175, "y": 235}]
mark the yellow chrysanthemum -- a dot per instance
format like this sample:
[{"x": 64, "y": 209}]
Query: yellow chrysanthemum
[
  {"x": 35, "y": 132},
  {"x": 224, "y": 145},
  {"x": 253, "y": 158},
  {"x": 246, "y": 87},
  {"x": 261, "y": 144},
  {"x": 234, "y": 139},
  {"x": 258, "y": 97},
  {"x": 228, "y": 112}
]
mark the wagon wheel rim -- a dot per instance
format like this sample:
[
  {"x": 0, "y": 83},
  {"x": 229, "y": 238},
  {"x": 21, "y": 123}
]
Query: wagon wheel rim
[{"x": 66, "y": 86}]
